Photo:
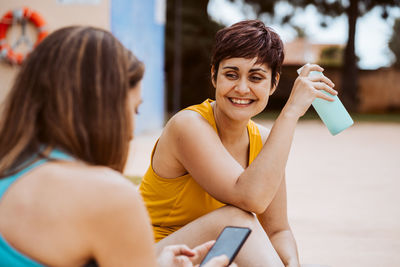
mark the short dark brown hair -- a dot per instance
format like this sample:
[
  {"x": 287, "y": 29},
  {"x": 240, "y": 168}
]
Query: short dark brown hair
[
  {"x": 249, "y": 39},
  {"x": 71, "y": 93}
]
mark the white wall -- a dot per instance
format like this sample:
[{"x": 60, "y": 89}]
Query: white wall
[{"x": 57, "y": 13}]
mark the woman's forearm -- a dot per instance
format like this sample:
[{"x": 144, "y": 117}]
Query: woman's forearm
[
  {"x": 264, "y": 175},
  {"x": 285, "y": 245},
  {"x": 276, "y": 149}
]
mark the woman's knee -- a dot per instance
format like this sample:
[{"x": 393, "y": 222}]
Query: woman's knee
[{"x": 238, "y": 217}]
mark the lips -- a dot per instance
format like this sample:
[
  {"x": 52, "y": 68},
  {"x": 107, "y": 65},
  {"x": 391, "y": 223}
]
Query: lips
[{"x": 240, "y": 101}]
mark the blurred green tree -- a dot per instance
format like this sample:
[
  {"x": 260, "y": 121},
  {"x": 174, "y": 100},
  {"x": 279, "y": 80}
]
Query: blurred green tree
[
  {"x": 188, "y": 44},
  {"x": 331, "y": 56},
  {"x": 300, "y": 32},
  {"x": 190, "y": 33},
  {"x": 394, "y": 43}
]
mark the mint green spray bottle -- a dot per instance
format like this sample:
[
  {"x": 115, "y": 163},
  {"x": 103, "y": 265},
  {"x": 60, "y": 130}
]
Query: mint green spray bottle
[{"x": 333, "y": 114}]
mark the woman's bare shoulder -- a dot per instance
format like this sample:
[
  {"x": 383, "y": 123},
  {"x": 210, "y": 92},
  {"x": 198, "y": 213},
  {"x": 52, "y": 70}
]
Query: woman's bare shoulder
[
  {"x": 182, "y": 129},
  {"x": 185, "y": 124},
  {"x": 87, "y": 200},
  {"x": 78, "y": 172},
  {"x": 185, "y": 118},
  {"x": 101, "y": 208},
  {"x": 86, "y": 185}
]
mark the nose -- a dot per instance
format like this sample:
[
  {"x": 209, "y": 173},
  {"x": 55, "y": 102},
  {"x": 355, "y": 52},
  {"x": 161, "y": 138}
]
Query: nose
[{"x": 242, "y": 87}]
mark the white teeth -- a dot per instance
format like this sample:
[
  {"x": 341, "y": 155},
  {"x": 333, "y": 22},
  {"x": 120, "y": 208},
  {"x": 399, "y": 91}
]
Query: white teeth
[{"x": 240, "y": 101}]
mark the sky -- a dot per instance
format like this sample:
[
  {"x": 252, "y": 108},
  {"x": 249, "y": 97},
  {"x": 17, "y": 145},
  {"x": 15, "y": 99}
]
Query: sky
[{"x": 372, "y": 34}]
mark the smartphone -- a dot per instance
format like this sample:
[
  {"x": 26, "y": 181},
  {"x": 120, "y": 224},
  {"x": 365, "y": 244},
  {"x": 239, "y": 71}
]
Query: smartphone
[{"x": 228, "y": 243}]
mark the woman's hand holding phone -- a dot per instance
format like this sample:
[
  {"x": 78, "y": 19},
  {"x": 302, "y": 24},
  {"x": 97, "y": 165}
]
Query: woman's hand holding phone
[
  {"x": 183, "y": 256},
  {"x": 220, "y": 261}
]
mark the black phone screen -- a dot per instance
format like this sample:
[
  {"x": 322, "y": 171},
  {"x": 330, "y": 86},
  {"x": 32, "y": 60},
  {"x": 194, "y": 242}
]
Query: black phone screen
[{"x": 228, "y": 243}]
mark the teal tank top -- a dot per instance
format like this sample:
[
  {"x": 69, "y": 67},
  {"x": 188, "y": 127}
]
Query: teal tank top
[{"x": 9, "y": 256}]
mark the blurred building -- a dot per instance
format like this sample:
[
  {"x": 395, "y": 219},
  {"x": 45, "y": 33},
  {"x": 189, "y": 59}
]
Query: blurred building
[
  {"x": 301, "y": 51},
  {"x": 139, "y": 25},
  {"x": 378, "y": 92}
]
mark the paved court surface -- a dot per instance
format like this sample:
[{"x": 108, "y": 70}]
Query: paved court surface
[{"x": 343, "y": 192}]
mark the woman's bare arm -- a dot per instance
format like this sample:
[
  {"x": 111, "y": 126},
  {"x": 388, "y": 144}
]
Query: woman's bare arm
[
  {"x": 116, "y": 225},
  {"x": 274, "y": 220}
]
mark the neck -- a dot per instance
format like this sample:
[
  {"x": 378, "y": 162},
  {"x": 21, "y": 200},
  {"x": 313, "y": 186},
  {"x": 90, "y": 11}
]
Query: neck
[{"x": 229, "y": 130}]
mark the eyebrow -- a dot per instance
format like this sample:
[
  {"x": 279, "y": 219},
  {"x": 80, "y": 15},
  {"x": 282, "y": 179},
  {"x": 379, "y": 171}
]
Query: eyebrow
[
  {"x": 251, "y": 70},
  {"x": 257, "y": 69},
  {"x": 231, "y": 67}
]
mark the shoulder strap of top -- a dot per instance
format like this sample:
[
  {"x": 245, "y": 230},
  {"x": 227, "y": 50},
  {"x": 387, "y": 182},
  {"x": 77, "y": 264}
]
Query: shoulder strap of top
[
  {"x": 9, "y": 256},
  {"x": 55, "y": 154},
  {"x": 255, "y": 140},
  {"x": 205, "y": 110}
]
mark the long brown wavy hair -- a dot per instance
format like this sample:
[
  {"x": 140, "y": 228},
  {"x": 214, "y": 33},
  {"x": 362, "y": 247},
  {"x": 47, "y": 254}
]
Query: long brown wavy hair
[{"x": 71, "y": 93}]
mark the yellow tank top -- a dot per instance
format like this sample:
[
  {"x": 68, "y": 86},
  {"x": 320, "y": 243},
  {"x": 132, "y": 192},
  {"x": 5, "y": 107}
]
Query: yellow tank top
[{"x": 175, "y": 202}]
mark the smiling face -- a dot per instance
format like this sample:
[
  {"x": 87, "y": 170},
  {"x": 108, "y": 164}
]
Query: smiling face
[{"x": 242, "y": 87}]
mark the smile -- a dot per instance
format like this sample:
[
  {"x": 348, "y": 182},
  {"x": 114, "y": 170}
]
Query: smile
[{"x": 240, "y": 101}]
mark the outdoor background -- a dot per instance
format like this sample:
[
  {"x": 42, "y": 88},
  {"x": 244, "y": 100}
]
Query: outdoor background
[{"x": 342, "y": 190}]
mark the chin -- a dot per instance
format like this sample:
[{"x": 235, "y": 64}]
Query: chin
[{"x": 241, "y": 115}]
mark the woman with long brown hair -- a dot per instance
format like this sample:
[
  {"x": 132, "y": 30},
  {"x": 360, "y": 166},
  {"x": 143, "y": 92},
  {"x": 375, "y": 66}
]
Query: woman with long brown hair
[{"x": 64, "y": 136}]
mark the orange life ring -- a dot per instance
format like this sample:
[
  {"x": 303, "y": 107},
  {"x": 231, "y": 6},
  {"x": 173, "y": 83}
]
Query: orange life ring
[{"x": 7, "y": 20}]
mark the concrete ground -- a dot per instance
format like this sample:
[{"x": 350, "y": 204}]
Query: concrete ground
[{"x": 343, "y": 192}]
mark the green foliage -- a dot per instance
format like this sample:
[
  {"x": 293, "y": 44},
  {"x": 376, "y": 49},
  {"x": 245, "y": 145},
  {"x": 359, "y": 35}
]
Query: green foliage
[
  {"x": 331, "y": 56},
  {"x": 198, "y": 33},
  {"x": 327, "y": 8},
  {"x": 134, "y": 179},
  {"x": 394, "y": 43},
  {"x": 300, "y": 32}
]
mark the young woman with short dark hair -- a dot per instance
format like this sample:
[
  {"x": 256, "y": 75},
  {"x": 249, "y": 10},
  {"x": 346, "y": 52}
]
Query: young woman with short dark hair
[{"x": 213, "y": 166}]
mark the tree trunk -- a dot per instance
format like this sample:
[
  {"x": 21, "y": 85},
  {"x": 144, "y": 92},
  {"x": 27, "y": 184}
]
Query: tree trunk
[
  {"x": 349, "y": 93},
  {"x": 177, "y": 56}
]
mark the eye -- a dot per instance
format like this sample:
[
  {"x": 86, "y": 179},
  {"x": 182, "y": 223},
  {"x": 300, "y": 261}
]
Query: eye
[
  {"x": 255, "y": 78},
  {"x": 231, "y": 75}
]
